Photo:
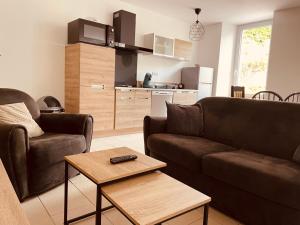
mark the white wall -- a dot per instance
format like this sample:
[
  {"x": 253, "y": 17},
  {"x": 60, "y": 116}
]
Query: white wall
[
  {"x": 226, "y": 59},
  {"x": 34, "y": 33},
  {"x": 284, "y": 64}
]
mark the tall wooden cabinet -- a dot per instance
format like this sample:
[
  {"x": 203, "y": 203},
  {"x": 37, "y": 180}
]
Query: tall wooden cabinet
[{"x": 89, "y": 83}]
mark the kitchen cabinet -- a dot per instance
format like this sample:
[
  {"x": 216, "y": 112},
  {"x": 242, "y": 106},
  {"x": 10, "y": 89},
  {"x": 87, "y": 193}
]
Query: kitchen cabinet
[
  {"x": 183, "y": 49},
  {"x": 169, "y": 47},
  {"x": 161, "y": 46},
  {"x": 185, "y": 97},
  {"x": 131, "y": 108},
  {"x": 89, "y": 83}
]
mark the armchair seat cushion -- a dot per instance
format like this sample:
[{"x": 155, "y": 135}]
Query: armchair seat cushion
[
  {"x": 51, "y": 148},
  {"x": 184, "y": 150},
  {"x": 271, "y": 178}
]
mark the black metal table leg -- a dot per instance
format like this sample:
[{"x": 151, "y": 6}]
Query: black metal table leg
[
  {"x": 205, "y": 214},
  {"x": 66, "y": 194},
  {"x": 98, "y": 205}
]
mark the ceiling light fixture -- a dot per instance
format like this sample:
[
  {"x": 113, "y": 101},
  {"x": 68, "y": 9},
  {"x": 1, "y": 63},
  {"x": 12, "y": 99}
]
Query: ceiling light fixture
[{"x": 197, "y": 29}]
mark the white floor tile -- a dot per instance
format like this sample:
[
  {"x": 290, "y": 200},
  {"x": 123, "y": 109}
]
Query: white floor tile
[
  {"x": 36, "y": 212},
  {"x": 88, "y": 189},
  {"x": 58, "y": 218},
  {"x": 53, "y": 200}
]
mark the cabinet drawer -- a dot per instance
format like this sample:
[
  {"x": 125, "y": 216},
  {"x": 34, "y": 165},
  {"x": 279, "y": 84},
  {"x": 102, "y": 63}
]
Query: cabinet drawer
[
  {"x": 131, "y": 108},
  {"x": 124, "y": 95},
  {"x": 185, "y": 97},
  {"x": 143, "y": 94}
]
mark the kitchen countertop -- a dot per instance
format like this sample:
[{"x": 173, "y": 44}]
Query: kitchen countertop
[{"x": 154, "y": 89}]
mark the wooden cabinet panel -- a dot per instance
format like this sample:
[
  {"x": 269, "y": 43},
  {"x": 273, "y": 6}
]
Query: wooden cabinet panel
[
  {"x": 183, "y": 49},
  {"x": 142, "y": 107},
  {"x": 185, "y": 97},
  {"x": 124, "y": 107},
  {"x": 100, "y": 104},
  {"x": 97, "y": 66},
  {"x": 89, "y": 83},
  {"x": 72, "y": 78},
  {"x": 131, "y": 108}
]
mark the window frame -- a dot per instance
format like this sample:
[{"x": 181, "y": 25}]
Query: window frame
[{"x": 237, "y": 57}]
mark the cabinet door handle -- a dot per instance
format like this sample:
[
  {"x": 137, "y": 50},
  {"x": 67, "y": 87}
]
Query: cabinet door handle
[
  {"x": 125, "y": 98},
  {"x": 98, "y": 86}
]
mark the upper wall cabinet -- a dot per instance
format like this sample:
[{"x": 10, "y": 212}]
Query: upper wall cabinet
[
  {"x": 168, "y": 47},
  {"x": 183, "y": 49},
  {"x": 161, "y": 46}
]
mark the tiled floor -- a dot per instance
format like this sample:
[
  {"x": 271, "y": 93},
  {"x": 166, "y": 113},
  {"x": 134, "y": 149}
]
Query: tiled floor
[{"x": 47, "y": 209}]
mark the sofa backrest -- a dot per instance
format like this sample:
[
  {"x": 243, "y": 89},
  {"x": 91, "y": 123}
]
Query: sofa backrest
[
  {"x": 267, "y": 127},
  {"x": 8, "y": 96}
]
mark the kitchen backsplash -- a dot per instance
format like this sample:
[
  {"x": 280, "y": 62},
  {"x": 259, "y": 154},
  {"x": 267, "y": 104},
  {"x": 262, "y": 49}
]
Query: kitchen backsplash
[{"x": 162, "y": 69}]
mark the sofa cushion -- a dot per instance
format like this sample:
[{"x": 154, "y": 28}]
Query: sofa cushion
[
  {"x": 17, "y": 113},
  {"x": 51, "y": 148},
  {"x": 277, "y": 180},
  {"x": 265, "y": 127},
  {"x": 184, "y": 150},
  {"x": 184, "y": 119}
]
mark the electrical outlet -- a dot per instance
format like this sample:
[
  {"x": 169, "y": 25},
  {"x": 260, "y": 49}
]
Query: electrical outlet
[{"x": 154, "y": 74}]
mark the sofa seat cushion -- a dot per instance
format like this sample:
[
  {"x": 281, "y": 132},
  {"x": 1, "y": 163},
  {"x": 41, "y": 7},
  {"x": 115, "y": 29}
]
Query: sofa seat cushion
[
  {"x": 184, "y": 150},
  {"x": 51, "y": 148},
  {"x": 275, "y": 179}
]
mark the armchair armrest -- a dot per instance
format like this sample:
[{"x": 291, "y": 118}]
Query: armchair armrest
[
  {"x": 153, "y": 125},
  {"x": 68, "y": 124},
  {"x": 13, "y": 153}
]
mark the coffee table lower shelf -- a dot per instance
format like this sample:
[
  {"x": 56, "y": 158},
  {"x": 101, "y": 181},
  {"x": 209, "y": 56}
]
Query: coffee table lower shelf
[{"x": 99, "y": 208}]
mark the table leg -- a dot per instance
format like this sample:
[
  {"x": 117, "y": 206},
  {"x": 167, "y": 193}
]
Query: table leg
[
  {"x": 205, "y": 214},
  {"x": 98, "y": 205},
  {"x": 66, "y": 194}
]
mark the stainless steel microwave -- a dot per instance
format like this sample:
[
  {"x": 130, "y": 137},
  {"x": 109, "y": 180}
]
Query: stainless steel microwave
[{"x": 90, "y": 32}]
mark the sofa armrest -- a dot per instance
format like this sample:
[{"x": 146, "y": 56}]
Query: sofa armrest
[
  {"x": 153, "y": 125},
  {"x": 13, "y": 153},
  {"x": 68, "y": 124}
]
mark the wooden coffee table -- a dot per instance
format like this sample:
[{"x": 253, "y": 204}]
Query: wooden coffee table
[
  {"x": 154, "y": 198},
  {"x": 135, "y": 188}
]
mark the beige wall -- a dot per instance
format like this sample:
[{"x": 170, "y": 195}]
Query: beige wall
[
  {"x": 34, "y": 33},
  {"x": 216, "y": 50},
  {"x": 284, "y": 65},
  {"x": 226, "y": 59}
]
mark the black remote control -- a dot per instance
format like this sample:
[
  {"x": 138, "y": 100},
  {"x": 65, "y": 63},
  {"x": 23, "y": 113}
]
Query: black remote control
[{"x": 124, "y": 158}]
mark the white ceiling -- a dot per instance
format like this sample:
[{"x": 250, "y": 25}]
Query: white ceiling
[{"x": 214, "y": 11}]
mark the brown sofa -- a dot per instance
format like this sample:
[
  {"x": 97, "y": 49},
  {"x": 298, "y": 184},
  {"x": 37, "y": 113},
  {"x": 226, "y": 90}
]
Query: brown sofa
[
  {"x": 35, "y": 165},
  {"x": 243, "y": 160}
]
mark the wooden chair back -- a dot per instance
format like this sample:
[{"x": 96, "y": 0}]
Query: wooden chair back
[
  {"x": 267, "y": 95},
  {"x": 237, "y": 92},
  {"x": 294, "y": 97}
]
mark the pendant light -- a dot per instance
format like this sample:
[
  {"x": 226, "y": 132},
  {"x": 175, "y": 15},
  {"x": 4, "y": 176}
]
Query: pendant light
[{"x": 197, "y": 29}]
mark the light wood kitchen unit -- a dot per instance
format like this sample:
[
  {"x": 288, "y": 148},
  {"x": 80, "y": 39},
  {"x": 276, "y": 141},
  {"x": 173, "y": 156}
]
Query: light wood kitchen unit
[
  {"x": 132, "y": 106},
  {"x": 183, "y": 49},
  {"x": 185, "y": 97},
  {"x": 89, "y": 83}
]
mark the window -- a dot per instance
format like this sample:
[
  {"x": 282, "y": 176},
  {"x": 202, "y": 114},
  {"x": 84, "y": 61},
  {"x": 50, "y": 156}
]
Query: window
[{"x": 252, "y": 56}]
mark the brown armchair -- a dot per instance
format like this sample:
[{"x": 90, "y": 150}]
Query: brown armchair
[{"x": 35, "y": 165}]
